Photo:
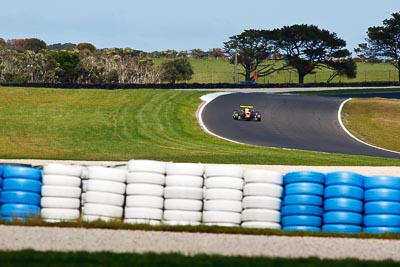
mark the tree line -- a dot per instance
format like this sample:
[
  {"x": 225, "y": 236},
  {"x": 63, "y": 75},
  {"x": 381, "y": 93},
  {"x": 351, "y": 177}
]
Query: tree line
[{"x": 303, "y": 48}]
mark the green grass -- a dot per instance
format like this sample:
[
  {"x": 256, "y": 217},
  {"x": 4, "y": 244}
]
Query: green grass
[
  {"x": 130, "y": 124},
  {"x": 221, "y": 71},
  {"x": 374, "y": 120},
  {"x": 85, "y": 259}
]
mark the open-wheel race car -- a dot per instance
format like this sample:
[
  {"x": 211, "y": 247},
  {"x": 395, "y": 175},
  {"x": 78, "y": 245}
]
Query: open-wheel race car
[{"x": 246, "y": 113}]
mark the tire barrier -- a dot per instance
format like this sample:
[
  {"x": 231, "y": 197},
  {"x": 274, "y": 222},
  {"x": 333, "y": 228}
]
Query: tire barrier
[
  {"x": 262, "y": 199},
  {"x": 343, "y": 206},
  {"x": 105, "y": 195},
  {"x": 223, "y": 193},
  {"x": 145, "y": 192},
  {"x": 382, "y": 204},
  {"x": 302, "y": 203},
  {"x": 61, "y": 192},
  {"x": 20, "y": 196}
]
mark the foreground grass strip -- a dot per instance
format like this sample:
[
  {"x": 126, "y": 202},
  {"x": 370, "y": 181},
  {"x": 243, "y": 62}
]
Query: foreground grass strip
[
  {"x": 84, "y": 259},
  {"x": 131, "y": 124},
  {"x": 375, "y": 121}
]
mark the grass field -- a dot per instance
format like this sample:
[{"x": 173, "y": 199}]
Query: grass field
[
  {"x": 85, "y": 259},
  {"x": 375, "y": 121},
  {"x": 221, "y": 71},
  {"x": 130, "y": 124}
]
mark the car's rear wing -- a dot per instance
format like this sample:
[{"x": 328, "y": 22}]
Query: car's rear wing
[{"x": 246, "y": 106}]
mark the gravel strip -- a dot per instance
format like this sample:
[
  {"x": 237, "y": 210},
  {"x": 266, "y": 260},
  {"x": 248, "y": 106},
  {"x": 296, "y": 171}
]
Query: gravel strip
[{"x": 14, "y": 238}]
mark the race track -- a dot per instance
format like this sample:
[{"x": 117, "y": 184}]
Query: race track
[{"x": 288, "y": 121}]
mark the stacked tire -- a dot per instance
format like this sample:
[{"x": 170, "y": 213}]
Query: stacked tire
[
  {"x": 344, "y": 195},
  {"x": 145, "y": 190},
  {"x": 21, "y": 193},
  {"x": 223, "y": 195},
  {"x": 303, "y": 200},
  {"x": 61, "y": 192},
  {"x": 105, "y": 196},
  {"x": 382, "y": 204},
  {"x": 183, "y": 194},
  {"x": 262, "y": 199}
]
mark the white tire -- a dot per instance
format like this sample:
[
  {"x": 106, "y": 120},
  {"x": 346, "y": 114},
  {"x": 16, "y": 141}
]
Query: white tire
[
  {"x": 254, "y": 202},
  {"x": 183, "y": 192},
  {"x": 221, "y": 217},
  {"x": 104, "y": 198},
  {"x": 145, "y": 178},
  {"x": 103, "y": 210},
  {"x": 180, "y": 223},
  {"x": 261, "y": 215},
  {"x": 183, "y": 204},
  {"x": 85, "y": 185},
  {"x": 145, "y": 190},
  {"x": 56, "y": 220},
  {"x": 121, "y": 167},
  {"x": 83, "y": 199},
  {"x": 108, "y": 174},
  {"x": 223, "y": 205},
  {"x": 61, "y": 191},
  {"x": 182, "y": 215},
  {"x": 184, "y": 180},
  {"x": 223, "y": 170},
  {"x": 222, "y": 224},
  {"x": 142, "y": 221},
  {"x": 92, "y": 218},
  {"x": 263, "y": 189},
  {"x": 62, "y": 180},
  {"x": 136, "y": 201},
  {"x": 60, "y": 214},
  {"x": 263, "y": 176},
  {"x": 85, "y": 173},
  {"x": 62, "y": 169},
  {"x": 223, "y": 194},
  {"x": 60, "y": 202},
  {"x": 106, "y": 186},
  {"x": 146, "y": 166},
  {"x": 143, "y": 213},
  {"x": 262, "y": 225},
  {"x": 224, "y": 182},
  {"x": 193, "y": 169}
]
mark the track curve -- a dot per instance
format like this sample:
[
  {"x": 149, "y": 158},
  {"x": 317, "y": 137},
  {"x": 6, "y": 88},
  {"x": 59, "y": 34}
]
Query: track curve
[{"x": 288, "y": 121}]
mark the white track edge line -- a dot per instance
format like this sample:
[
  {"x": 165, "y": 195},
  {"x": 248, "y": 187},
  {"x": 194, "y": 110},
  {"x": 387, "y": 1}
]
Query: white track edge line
[{"x": 352, "y": 136}]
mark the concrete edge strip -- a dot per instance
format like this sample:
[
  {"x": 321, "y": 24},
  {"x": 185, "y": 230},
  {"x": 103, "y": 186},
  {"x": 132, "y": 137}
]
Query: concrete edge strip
[
  {"x": 352, "y": 136},
  {"x": 206, "y": 100}
]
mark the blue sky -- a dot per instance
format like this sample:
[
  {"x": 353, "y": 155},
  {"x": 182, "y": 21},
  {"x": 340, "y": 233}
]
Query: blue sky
[{"x": 182, "y": 25}]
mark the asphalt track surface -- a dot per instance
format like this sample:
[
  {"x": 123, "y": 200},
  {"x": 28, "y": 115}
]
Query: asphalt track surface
[{"x": 288, "y": 121}]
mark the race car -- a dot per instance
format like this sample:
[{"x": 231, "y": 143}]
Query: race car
[{"x": 246, "y": 113}]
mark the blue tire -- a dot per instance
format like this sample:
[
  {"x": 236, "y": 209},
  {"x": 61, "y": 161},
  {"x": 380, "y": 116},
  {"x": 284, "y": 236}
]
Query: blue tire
[
  {"x": 11, "y": 171},
  {"x": 304, "y": 176},
  {"x": 343, "y": 217},
  {"x": 20, "y": 197},
  {"x": 343, "y": 204},
  {"x": 1, "y": 171},
  {"x": 304, "y": 188},
  {"x": 390, "y": 182},
  {"x": 386, "y": 220},
  {"x": 12, "y": 184},
  {"x": 382, "y": 194},
  {"x": 344, "y": 191},
  {"x": 344, "y": 178},
  {"x": 303, "y": 200},
  {"x": 382, "y": 207},
  {"x": 14, "y": 219},
  {"x": 302, "y": 228},
  {"x": 19, "y": 210},
  {"x": 301, "y": 210},
  {"x": 301, "y": 220},
  {"x": 382, "y": 230},
  {"x": 341, "y": 228}
]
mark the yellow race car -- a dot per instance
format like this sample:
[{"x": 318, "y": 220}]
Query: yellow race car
[{"x": 246, "y": 113}]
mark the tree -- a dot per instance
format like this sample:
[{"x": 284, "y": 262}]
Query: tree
[
  {"x": 177, "y": 70},
  {"x": 86, "y": 46},
  {"x": 251, "y": 48},
  {"x": 68, "y": 62},
  {"x": 307, "y": 48},
  {"x": 383, "y": 42},
  {"x": 34, "y": 44}
]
